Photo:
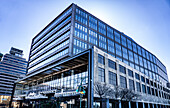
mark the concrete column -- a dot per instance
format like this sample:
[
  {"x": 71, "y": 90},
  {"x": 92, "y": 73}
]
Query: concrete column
[
  {"x": 136, "y": 104},
  {"x": 118, "y": 73},
  {"x": 148, "y": 105},
  {"x": 143, "y": 105},
  {"x": 129, "y": 104},
  {"x": 106, "y": 70},
  {"x": 153, "y": 106},
  {"x": 95, "y": 66},
  {"x": 120, "y": 104},
  {"x": 156, "y": 105}
]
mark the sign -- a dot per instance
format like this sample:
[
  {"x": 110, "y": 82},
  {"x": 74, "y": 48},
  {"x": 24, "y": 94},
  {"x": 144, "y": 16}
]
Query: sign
[
  {"x": 80, "y": 89},
  {"x": 66, "y": 94}
]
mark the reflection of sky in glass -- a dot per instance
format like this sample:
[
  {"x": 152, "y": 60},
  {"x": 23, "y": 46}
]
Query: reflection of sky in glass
[{"x": 147, "y": 22}]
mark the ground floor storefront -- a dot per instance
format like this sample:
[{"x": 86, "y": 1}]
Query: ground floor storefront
[
  {"x": 77, "y": 102},
  {"x": 52, "y": 102},
  {"x": 110, "y": 103}
]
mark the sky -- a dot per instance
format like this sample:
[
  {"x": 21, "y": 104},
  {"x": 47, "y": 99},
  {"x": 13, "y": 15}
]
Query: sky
[{"x": 145, "y": 21}]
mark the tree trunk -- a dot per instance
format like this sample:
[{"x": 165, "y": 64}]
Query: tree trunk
[{"x": 100, "y": 102}]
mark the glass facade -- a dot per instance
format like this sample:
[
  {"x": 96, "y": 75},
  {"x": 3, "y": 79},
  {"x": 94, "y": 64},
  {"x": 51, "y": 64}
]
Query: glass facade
[
  {"x": 120, "y": 46},
  {"x": 53, "y": 42}
]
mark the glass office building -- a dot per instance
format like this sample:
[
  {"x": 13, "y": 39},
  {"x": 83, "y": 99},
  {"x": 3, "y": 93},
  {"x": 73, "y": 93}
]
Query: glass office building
[
  {"x": 74, "y": 32},
  {"x": 12, "y": 67}
]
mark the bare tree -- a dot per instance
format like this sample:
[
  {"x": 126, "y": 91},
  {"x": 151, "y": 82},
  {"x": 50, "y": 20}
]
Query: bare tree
[
  {"x": 105, "y": 91},
  {"x": 124, "y": 94},
  {"x": 128, "y": 95},
  {"x": 102, "y": 90}
]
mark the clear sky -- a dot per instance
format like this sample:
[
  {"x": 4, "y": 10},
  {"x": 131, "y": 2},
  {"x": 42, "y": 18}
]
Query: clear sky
[{"x": 146, "y": 21}]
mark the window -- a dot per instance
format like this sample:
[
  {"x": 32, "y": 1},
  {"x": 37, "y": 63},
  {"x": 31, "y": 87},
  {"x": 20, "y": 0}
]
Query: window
[
  {"x": 111, "y": 46},
  {"x": 136, "y": 58},
  {"x": 147, "y": 55},
  {"x": 140, "y": 61},
  {"x": 142, "y": 79},
  {"x": 134, "y": 47},
  {"x": 138, "y": 87},
  {"x": 124, "y": 43},
  {"x": 149, "y": 65},
  {"x": 153, "y": 91},
  {"x": 137, "y": 76},
  {"x": 122, "y": 69},
  {"x": 80, "y": 31},
  {"x": 125, "y": 53},
  {"x": 117, "y": 36},
  {"x": 101, "y": 59},
  {"x": 101, "y": 74},
  {"x": 110, "y": 32},
  {"x": 93, "y": 37},
  {"x": 152, "y": 67},
  {"x": 155, "y": 85},
  {"x": 142, "y": 69},
  {"x": 145, "y": 63},
  {"x": 143, "y": 53},
  {"x": 139, "y": 50},
  {"x": 92, "y": 23},
  {"x": 132, "y": 64},
  {"x": 130, "y": 55},
  {"x": 151, "y": 58},
  {"x": 150, "y": 74},
  {"x": 130, "y": 72},
  {"x": 119, "y": 58},
  {"x": 112, "y": 64},
  {"x": 154, "y": 59},
  {"x": 118, "y": 49},
  {"x": 112, "y": 78},
  {"x": 126, "y": 61},
  {"x": 137, "y": 67},
  {"x": 131, "y": 85},
  {"x": 81, "y": 16},
  {"x": 79, "y": 46},
  {"x": 123, "y": 82},
  {"x": 102, "y": 28},
  {"x": 151, "y": 83},
  {"x": 148, "y": 90},
  {"x": 147, "y": 81},
  {"x": 143, "y": 88},
  {"x": 102, "y": 42},
  {"x": 146, "y": 72},
  {"x": 129, "y": 43}
]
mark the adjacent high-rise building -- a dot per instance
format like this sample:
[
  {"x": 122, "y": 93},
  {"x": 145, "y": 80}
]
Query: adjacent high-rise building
[
  {"x": 77, "y": 48},
  {"x": 12, "y": 67}
]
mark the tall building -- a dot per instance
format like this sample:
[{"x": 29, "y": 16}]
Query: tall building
[
  {"x": 12, "y": 67},
  {"x": 78, "y": 48}
]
